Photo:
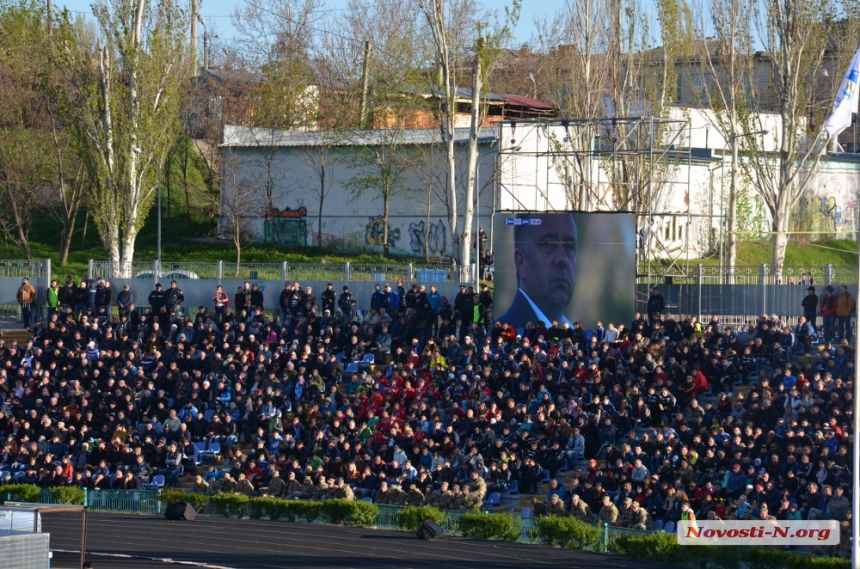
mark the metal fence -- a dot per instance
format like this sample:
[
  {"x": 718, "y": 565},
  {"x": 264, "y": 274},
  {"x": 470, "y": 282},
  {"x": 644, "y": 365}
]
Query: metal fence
[
  {"x": 147, "y": 502},
  {"x": 763, "y": 274},
  {"x": 225, "y": 270}
]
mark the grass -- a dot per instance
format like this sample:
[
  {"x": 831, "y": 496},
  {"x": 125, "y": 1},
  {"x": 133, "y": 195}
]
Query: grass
[
  {"x": 798, "y": 254},
  {"x": 178, "y": 244}
]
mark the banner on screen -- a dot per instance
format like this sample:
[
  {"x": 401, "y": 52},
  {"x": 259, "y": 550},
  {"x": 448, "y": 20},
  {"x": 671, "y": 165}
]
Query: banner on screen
[{"x": 565, "y": 267}]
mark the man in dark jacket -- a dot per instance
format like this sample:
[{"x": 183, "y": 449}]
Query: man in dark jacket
[
  {"x": 156, "y": 299},
  {"x": 347, "y": 302},
  {"x": 810, "y": 305},
  {"x": 284, "y": 302},
  {"x": 309, "y": 302},
  {"x": 174, "y": 298},
  {"x": 328, "y": 299},
  {"x": 656, "y": 305},
  {"x": 124, "y": 300},
  {"x": 378, "y": 299},
  {"x": 256, "y": 296},
  {"x": 66, "y": 296}
]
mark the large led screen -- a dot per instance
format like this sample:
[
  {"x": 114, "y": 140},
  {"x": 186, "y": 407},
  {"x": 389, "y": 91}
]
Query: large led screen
[{"x": 564, "y": 266}]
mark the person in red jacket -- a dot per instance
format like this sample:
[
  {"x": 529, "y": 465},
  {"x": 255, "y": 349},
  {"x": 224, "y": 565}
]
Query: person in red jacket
[{"x": 828, "y": 311}]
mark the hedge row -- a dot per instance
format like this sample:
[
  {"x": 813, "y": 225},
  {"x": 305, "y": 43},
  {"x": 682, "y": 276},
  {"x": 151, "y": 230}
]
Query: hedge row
[
  {"x": 32, "y": 493},
  {"x": 664, "y": 548},
  {"x": 339, "y": 512}
]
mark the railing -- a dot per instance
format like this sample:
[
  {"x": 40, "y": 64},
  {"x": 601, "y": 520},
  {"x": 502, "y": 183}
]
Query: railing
[
  {"x": 762, "y": 274},
  {"x": 23, "y": 268},
  {"x": 315, "y": 271},
  {"x": 108, "y": 270},
  {"x": 379, "y": 273}
]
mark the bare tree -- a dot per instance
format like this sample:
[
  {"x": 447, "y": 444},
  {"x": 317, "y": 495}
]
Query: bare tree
[
  {"x": 795, "y": 33},
  {"x": 238, "y": 205}
]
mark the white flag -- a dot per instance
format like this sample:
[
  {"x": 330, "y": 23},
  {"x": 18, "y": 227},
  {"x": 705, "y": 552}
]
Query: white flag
[{"x": 846, "y": 100}]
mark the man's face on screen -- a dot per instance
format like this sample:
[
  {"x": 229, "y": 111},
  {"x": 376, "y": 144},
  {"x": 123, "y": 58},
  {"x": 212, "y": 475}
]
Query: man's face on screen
[{"x": 546, "y": 262}]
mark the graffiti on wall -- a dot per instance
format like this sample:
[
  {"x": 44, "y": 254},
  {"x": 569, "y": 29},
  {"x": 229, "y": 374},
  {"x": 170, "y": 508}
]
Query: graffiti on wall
[
  {"x": 434, "y": 239},
  {"x": 817, "y": 214},
  {"x": 374, "y": 233}
]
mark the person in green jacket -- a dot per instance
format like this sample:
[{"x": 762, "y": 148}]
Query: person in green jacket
[{"x": 53, "y": 298}]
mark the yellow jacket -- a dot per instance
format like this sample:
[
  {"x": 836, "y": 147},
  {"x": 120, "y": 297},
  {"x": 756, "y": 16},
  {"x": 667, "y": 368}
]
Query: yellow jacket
[{"x": 845, "y": 305}]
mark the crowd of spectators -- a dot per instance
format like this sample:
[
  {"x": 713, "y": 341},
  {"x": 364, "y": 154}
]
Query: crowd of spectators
[{"x": 657, "y": 419}]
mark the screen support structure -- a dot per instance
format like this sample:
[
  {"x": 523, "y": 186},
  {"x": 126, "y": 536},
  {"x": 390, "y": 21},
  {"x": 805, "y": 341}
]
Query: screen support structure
[{"x": 626, "y": 164}]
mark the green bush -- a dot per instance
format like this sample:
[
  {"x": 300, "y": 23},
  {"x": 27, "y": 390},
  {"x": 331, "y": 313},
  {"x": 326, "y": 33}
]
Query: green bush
[
  {"x": 567, "y": 532},
  {"x": 770, "y": 558},
  {"x": 822, "y": 563},
  {"x": 411, "y": 518},
  {"x": 306, "y": 509},
  {"x": 68, "y": 495},
  {"x": 280, "y": 509},
  {"x": 229, "y": 504},
  {"x": 174, "y": 495},
  {"x": 357, "y": 513},
  {"x": 476, "y": 525},
  {"x": 271, "y": 508},
  {"x": 20, "y": 492},
  {"x": 662, "y": 547}
]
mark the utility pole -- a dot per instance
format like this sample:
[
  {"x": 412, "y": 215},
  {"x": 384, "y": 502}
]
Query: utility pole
[
  {"x": 194, "y": 9},
  {"x": 205, "y": 50},
  {"x": 365, "y": 84}
]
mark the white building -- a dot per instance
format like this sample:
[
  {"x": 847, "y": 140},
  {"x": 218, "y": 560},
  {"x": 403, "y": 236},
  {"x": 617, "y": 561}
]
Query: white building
[{"x": 523, "y": 166}]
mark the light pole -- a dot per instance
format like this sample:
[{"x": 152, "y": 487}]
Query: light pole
[
  {"x": 158, "y": 163},
  {"x": 732, "y": 199},
  {"x": 478, "y": 219}
]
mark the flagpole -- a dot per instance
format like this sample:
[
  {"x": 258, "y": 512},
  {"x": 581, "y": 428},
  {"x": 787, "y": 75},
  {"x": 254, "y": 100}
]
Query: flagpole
[{"x": 855, "y": 470}]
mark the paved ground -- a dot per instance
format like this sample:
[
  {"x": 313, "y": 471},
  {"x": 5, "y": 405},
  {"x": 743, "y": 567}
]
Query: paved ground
[{"x": 249, "y": 544}]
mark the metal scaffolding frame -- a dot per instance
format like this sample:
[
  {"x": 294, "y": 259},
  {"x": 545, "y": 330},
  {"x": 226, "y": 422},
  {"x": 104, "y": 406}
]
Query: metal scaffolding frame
[{"x": 624, "y": 164}]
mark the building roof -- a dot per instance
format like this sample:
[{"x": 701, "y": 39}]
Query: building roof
[
  {"x": 526, "y": 102},
  {"x": 249, "y": 137}
]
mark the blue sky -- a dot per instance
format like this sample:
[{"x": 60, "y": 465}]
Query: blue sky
[{"x": 218, "y": 12}]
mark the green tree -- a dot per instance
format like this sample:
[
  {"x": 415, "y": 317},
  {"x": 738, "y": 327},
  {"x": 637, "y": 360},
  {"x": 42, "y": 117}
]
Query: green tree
[{"x": 125, "y": 102}]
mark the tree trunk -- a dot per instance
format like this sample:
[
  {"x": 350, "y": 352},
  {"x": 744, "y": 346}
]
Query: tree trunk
[
  {"x": 322, "y": 199},
  {"x": 84, "y": 230},
  {"x": 385, "y": 245},
  {"x": 237, "y": 242},
  {"x": 732, "y": 219},
  {"x": 471, "y": 189}
]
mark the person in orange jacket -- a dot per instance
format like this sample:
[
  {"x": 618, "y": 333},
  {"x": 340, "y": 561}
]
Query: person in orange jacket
[{"x": 26, "y": 296}]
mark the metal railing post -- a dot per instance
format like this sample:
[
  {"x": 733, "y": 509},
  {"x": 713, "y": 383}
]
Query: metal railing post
[
  {"x": 699, "y": 271},
  {"x": 763, "y": 289},
  {"x": 346, "y": 271},
  {"x": 220, "y": 270},
  {"x": 410, "y": 272},
  {"x": 86, "y": 497},
  {"x": 604, "y": 535},
  {"x": 157, "y": 500},
  {"x": 156, "y": 271},
  {"x": 284, "y": 271},
  {"x": 828, "y": 274},
  {"x": 90, "y": 268}
]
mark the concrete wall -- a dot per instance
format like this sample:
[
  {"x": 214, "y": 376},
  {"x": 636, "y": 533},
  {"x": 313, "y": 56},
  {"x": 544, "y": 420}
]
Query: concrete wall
[
  {"x": 351, "y": 220},
  {"x": 200, "y": 291}
]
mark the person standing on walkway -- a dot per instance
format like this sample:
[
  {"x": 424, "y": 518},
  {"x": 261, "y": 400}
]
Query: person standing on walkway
[
  {"x": 26, "y": 297},
  {"x": 844, "y": 313},
  {"x": 810, "y": 305},
  {"x": 52, "y": 300},
  {"x": 828, "y": 311}
]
